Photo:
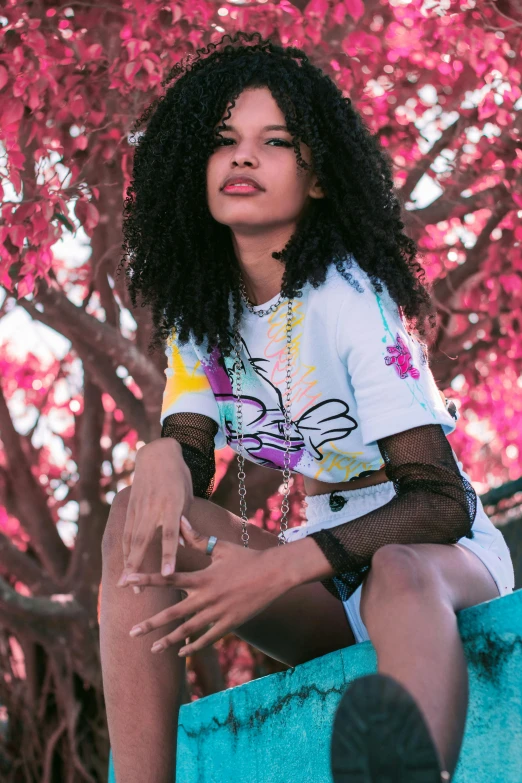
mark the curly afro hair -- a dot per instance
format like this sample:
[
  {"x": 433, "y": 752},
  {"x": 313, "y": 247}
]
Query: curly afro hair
[{"x": 181, "y": 261}]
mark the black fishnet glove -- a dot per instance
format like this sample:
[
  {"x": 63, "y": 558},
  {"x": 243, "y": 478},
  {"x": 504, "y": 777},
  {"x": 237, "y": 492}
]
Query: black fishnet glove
[
  {"x": 434, "y": 504},
  {"x": 195, "y": 433}
]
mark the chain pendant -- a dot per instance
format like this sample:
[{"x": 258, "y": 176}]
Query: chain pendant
[
  {"x": 240, "y": 456},
  {"x": 285, "y": 506}
]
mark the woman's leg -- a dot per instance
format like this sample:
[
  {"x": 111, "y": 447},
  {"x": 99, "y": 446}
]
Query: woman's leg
[
  {"x": 408, "y": 605},
  {"x": 143, "y": 691},
  {"x": 142, "y": 696}
]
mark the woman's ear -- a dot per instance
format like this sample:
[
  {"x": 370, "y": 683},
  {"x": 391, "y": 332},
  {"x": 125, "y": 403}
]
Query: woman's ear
[{"x": 315, "y": 190}]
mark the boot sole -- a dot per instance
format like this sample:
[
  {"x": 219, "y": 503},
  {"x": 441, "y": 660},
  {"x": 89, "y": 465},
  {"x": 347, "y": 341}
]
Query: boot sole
[{"x": 380, "y": 736}]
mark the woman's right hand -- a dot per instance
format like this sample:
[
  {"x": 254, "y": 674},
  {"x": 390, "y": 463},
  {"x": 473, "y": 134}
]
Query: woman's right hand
[{"x": 161, "y": 492}]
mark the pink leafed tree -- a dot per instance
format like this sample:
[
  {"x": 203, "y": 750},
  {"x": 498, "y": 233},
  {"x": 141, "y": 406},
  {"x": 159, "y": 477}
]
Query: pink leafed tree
[{"x": 440, "y": 85}]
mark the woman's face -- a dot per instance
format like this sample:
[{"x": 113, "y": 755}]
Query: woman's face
[{"x": 250, "y": 148}]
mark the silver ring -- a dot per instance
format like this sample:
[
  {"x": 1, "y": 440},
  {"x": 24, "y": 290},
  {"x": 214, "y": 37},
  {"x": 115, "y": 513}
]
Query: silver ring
[{"x": 212, "y": 541}]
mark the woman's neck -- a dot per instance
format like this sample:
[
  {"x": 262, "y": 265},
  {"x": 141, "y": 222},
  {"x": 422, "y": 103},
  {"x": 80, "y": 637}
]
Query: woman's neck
[
  {"x": 262, "y": 274},
  {"x": 261, "y": 287}
]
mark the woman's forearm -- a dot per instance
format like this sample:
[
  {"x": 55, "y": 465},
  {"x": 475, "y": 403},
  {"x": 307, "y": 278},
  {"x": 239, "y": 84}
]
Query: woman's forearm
[{"x": 297, "y": 563}]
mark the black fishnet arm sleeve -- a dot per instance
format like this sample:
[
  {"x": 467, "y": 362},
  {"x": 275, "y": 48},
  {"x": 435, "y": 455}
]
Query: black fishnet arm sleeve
[
  {"x": 434, "y": 504},
  {"x": 195, "y": 433}
]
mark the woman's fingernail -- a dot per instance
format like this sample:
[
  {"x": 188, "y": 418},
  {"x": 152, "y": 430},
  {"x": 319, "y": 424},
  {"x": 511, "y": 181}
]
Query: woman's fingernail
[
  {"x": 167, "y": 569},
  {"x": 182, "y": 541},
  {"x": 157, "y": 647},
  {"x": 135, "y": 631},
  {"x": 123, "y": 580},
  {"x": 185, "y": 520},
  {"x": 136, "y": 589},
  {"x": 133, "y": 578}
]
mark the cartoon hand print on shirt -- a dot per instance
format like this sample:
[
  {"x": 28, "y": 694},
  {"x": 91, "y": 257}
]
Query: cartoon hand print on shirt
[
  {"x": 264, "y": 427},
  {"x": 401, "y": 358},
  {"x": 264, "y": 430}
]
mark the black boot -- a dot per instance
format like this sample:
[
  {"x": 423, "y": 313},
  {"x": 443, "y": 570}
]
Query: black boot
[{"x": 380, "y": 736}]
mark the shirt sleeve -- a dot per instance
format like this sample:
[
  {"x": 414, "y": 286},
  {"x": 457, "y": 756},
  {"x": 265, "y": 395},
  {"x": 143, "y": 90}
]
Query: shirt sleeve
[
  {"x": 388, "y": 368},
  {"x": 434, "y": 504},
  {"x": 188, "y": 389},
  {"x": 195, "y": 433}
]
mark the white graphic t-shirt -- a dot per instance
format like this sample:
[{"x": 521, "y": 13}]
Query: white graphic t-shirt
[{"x": 357, "y": 376}]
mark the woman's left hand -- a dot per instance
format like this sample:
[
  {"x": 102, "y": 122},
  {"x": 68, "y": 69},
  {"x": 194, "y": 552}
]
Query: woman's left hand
[{"x": 238, "y": 584}]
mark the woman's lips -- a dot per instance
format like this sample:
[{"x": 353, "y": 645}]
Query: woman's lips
[{"x": 240, "y": 189}]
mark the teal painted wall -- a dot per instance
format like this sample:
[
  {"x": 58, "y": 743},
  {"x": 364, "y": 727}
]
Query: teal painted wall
[{"x": 277, "y": 729}]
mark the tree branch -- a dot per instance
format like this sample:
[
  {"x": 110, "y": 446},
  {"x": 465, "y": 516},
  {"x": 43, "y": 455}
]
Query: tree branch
[
  {"x": 35, "y": 616},
  {"x": 101, "y": 369},
  {"x": 57, "y": 624},
  {"x": 448, "y": 135},
  {"x": 447, "y": 289},
  {"x": 85, "y": 567},
  {"x": 452, "y": 344},
  {"x": 106, "y": 340},
  {"x": 444, "y": 368},
  {"x": 452, "y": 204},
  {"x": 18, "y": 564},
  {"x": 504, "y": 492},
  {"x": 30, "y": 504}
]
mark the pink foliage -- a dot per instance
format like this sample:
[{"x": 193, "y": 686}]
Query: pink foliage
[
  {"x": 72, "y": 81},
  {"x": 73, "y": 78}
]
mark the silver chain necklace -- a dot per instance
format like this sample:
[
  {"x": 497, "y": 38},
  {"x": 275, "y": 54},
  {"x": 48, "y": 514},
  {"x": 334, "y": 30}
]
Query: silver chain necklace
[{"x": 285, "y": 507}]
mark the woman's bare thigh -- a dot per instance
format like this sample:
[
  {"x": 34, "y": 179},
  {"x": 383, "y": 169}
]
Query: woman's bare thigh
[{"x": 304, "y": 623}]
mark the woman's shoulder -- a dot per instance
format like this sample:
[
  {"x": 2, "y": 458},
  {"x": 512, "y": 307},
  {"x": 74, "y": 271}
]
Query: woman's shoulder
[
  {"x": 346, "y": 275},
  {"x": 349, "y": 286}
]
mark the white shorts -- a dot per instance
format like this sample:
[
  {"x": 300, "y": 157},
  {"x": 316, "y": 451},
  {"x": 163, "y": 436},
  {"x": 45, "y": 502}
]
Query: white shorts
[{"x": 488, "y": 544}]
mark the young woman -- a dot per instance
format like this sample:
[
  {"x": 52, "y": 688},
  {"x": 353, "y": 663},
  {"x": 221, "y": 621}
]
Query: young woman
[{"x": 262, "y": 228}]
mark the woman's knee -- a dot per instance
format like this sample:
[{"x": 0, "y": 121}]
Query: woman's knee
[
  {"x": 112, "y": 540},
  {"x": 113, "y": 533},
  {"x": 397, "y": 569}
]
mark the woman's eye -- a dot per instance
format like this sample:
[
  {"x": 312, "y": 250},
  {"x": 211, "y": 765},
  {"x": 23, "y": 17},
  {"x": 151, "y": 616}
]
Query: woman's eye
[{"x": 219, "y": 140}]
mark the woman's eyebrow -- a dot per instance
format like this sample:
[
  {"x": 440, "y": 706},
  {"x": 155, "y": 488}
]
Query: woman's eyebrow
[{"x": 266, "y": 128}]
